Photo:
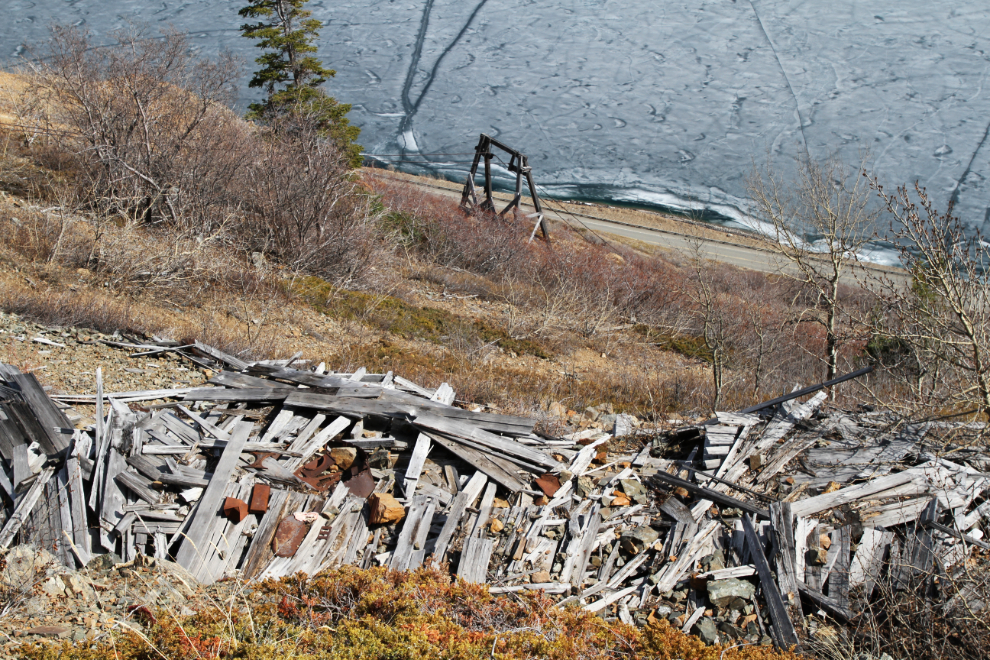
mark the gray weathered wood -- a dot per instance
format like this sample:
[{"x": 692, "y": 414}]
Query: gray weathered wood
[
  {"x": 415, "y": 466},
  {"x": 414, "y": 530},
  {"x": 138, "y": 485},
  {"x": 495, "y": 470},
  {"x": 464, "y": 499},
  {"x": 194, "y": 542},
  {"x": 782, "y": 523},
  {"x": 25, "y": 507},
  {"x": 784, "y": 635},
  {"x": 475, "y": 557},
  {"x": 709, "y": 494}
]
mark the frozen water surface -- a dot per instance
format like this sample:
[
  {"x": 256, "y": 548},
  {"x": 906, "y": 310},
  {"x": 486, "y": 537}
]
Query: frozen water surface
[{"x": 666, "y": 102}]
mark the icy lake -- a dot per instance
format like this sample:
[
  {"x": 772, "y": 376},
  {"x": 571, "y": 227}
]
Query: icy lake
[{"x": 664, "y": 102}]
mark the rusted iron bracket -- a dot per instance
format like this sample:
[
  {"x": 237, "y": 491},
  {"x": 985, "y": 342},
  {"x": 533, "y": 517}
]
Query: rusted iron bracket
[{"x": 519, "y": 165}]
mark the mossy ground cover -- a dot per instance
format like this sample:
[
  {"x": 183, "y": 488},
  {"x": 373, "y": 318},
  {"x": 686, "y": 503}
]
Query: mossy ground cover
[
  {"x": 391, "y": 314},
  {"x": 376, "y": 614}
]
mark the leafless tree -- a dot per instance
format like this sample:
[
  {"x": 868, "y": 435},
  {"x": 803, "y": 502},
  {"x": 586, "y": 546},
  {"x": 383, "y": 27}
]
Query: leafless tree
[
  {"x": 822, "y": 222},
  {"x": 713, "y": 317},
  {"x": 304, "y": 206},
  {"x": 942, "y": 318}
]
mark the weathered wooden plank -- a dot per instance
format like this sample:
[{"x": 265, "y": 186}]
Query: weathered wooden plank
[
  {"x": 246, "y": 395},
  {"x": 587, "y": 545},
  {"x": 464, "y": 499},
  {"x": 24, "y": 507},
  {"x": 829, "y": 605},
  {"x": 393, "y": 403},
  {"x": 475, "y": 557},
  {"x": 113, "y": 501},
  {"x": 415, "y": 466},
  {"x": 243, "y": 381},
  {"x": 461, "y": 429},
  {"x": 709, "y": 494},
  {"x": 495, "y": 471},
  {"x": 782, "y": 524},
  {"x": 22, "y": 470},
  {"x": 260, "y": 551},
  {"x": 783, "y": 632},
  {"x": 820, "y": 503},
  {"x": 138, "y": 485},
  {"x": 838, "y": 579},
  {"x": 194, "y": 542},
  {"x": 218, "y": 355},
  {"x": 783, "y": 456},
  {"x": 412, "y": 537},
  {"x": 57, "y": 428},
  {"x": 309, "y": 447}
]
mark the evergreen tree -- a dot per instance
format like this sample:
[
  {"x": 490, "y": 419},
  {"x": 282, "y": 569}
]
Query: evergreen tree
[{"x": 291, "y": 75}]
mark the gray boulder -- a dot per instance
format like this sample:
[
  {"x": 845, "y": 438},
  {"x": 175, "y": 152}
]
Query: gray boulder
[{"x": 722, "y": 592}]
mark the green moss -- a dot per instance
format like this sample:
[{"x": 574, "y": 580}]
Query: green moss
[
  {"x": 690, "y": 346},
  {"x": 398, "y": 317}
]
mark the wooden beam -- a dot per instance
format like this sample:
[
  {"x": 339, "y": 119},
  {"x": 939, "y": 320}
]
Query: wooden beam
[
  {"x": 193, "y": 545},
  {"x": 784, "y": 635},
  {"x": 714, "y": 496}
]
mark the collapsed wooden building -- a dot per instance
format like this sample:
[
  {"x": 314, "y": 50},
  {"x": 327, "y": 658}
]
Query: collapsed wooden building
[{"x": 765, "y": 517}]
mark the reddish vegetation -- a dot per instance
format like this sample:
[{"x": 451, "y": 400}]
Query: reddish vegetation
[{"x": 378, "y": 614}]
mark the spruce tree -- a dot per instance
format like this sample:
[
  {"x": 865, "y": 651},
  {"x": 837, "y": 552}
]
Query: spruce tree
[{"x": 291, "y": 75}]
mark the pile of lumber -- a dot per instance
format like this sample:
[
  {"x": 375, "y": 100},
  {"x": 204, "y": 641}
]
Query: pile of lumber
[{"x": 738, "y": 529}]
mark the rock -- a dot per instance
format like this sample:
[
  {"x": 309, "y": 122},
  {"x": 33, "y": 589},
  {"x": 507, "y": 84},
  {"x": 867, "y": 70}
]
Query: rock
[
  {"x": 618, "y": 499},
  {"x": 584, "y": 487},
  {"x": 816, "y": 557},
  {"x": 731, "y": 631},
  {"x": 53, "y": 587},
  {"x": 722, "y": 592},
  {"x": 557, "y": 409},
  {"x": 79, "y": 587},
  {"x": 714, "y": 561},
  {"x": 384, "y": 509},
  {"x": 541, "y": 577},
  {"x": 25, "y": 566},
  {"x": 344, "y": 457},
  {"x": 104, "y": 562},
  {"x": 706, "y": 631},
  {"x": 565, "y": 476},
  {"x": 637, "y": 540},
  {"x": 591, "y": 414},
  {"x": 624, "y": 425},
  {"x": 49, "y": 631},
  {"x": 380, "y": 459},
  {"x": 632, "y": 488}
]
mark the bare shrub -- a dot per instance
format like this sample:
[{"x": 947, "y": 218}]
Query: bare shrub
[
  {"x": 143, "y": 121},
  {"x": 304, "y": 207},
  {"x": 935, "y": 331}
]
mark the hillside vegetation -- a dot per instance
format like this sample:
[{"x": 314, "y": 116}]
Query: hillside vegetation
[{"x": 133, "y": 198}]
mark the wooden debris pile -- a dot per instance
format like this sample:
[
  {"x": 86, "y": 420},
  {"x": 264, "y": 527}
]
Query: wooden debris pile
[{"x": 769, "y": 516}]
